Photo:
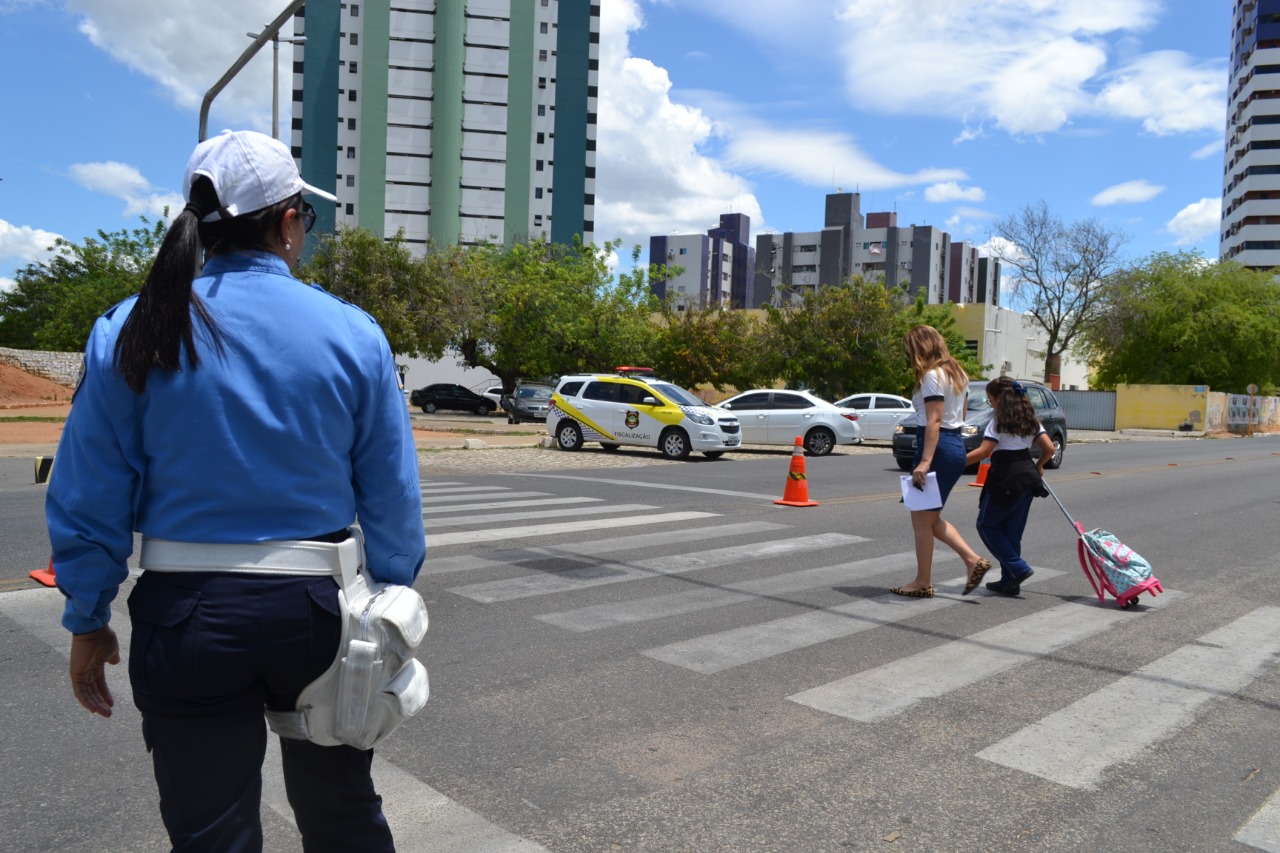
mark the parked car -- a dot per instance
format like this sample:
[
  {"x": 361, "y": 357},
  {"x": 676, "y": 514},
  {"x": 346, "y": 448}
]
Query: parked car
[
  {"x": 443, "y": 395},
  {"x": 530, "y": 402},
  {"x": 494, "y": 393},
  {"x": 637, "y": 409},
  {"x": 1048, "y": 410},
  {"x": 878, "y": 414},
  {"x": 778, "y": 417}
]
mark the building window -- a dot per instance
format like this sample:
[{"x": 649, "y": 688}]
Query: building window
[
  {"x": 351, "y": 152},
  {"x": 545, "y": 3},
  {"x": 351, "y": 66},
  {"x": 355, "y": 39},
  {"x": 351, "y": 180},
  {"x": 684, "y": 251},
  {"x": 537, "y": 192},
  {"x": 351, "y": 209},
  {"x": 537, "y": 219},
  {"x": 351, "y": 95},
  {"x": 542, "y": 137},
  {"x": 542, "y": 108},
  {"x": 351, "y": 124},
  {"x": 537, "y": 165},
  {"x": 542, "y": 28},
  {"x": 542, "y": 82},
  {"x": 355, "y": 10},
  {"x": 542, "y": 56}
]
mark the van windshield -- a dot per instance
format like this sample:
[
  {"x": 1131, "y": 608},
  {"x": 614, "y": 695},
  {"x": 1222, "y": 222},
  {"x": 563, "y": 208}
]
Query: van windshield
[
  {"x": 528, "y": 393},
  {"x": 678, "y": 395}
]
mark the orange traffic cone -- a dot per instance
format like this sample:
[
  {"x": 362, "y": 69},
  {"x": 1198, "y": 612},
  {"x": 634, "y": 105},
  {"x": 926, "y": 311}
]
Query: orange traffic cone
[
  {"x": 797, "y": 491},
  {"x": 44, "y": 576},
  {"x": 982, "y": 473}
]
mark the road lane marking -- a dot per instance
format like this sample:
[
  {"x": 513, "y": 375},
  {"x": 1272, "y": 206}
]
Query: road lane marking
[
  {"x": 889, "y": 689},
  {"x": 498, "y": 534},
  {"x": 1262, "y": 831},
  {"x": 596, "y": 548},
  {"x": 717, "y": 652},
  {"x": 505, "y": 494},
  {"x": 641, "y": 485},
  {"x": 422, "y": 819},
  {"x": 583, "y": 577},
  {"x": 610, "y": 615},
  {"x": 1078, "y": 744},
  {"x": 433, "y": 523},
  {"x": 441, "y": 510}
]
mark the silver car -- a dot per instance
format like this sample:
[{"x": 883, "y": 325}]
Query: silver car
[
  {"x": 878, "y": 414},
  {"x": 778, "y": 417}
]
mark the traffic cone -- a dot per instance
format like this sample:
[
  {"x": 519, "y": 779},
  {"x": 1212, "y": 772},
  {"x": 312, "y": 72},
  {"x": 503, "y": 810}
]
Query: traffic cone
[
  {"x": 797, "y": 491},
  {"x": 982, "y": 474},
  {"x": 44, "y": 576}
]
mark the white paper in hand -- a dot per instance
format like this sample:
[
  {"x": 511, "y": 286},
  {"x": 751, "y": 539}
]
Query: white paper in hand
[{"x": 915, "y": 499}]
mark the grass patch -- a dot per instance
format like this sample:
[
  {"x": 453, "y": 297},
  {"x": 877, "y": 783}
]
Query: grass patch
[{"x": 31, "y": 419}]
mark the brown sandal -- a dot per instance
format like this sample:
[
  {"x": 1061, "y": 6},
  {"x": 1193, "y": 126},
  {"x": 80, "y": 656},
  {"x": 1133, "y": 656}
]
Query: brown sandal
[
  {"x": 922, "y": 592},
  {"x": 975, "y": 578}
]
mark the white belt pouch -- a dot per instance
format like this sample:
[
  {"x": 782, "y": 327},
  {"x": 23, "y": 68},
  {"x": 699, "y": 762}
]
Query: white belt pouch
[{"x": 376, "y": 682}]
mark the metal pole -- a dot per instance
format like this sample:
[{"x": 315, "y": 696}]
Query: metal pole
[
  {"x": 272, "y": 30},
  {"x": 275, "y": 85}
]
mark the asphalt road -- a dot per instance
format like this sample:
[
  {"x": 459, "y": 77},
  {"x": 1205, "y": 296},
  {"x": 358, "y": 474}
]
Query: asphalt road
[{"x": 634, "y": 655}]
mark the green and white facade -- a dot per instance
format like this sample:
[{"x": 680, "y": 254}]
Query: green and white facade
[{"x": 458, "y": 121}]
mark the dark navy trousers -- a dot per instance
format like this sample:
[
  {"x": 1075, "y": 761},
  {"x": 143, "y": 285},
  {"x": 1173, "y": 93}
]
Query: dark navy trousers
[
  {"x": 1001, "y": 529},
  {"x": 209, "y": 652}
]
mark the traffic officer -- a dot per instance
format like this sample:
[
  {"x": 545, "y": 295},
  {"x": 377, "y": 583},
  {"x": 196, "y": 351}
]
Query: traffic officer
[{"x": 236, "y": 408}]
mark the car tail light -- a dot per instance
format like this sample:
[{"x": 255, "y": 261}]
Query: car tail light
[{"x": 850, "y": 415}]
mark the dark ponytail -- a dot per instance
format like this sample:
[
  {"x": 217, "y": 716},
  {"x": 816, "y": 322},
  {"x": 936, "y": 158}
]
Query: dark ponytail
[{"x": 1015, "y": 414}]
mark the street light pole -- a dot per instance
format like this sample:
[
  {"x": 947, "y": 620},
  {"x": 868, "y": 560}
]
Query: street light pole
[
  {"x": 275, "y": 76},
  {"x": 272, "y": 29}
]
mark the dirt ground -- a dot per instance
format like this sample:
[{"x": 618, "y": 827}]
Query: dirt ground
[{"x": 25, "y": 395}]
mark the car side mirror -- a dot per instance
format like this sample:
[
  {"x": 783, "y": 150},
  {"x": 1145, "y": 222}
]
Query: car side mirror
[
  {"x": 726, "y": 405},
  {"x": 648, "y": 401}
]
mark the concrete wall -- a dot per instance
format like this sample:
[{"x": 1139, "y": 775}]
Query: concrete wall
[
  {"x": 1161, "y": 406},
  {"x": 60, "y": 367}
]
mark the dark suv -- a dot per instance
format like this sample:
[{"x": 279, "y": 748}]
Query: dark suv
[
  {"x": 445, "y": 396},
  {"x": 1048, "y": 411}
]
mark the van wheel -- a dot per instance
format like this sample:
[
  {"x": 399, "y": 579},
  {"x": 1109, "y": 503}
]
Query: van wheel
[
  {"x": 568, "y": 436},
  {"x": 609, "y": 447},
  {"x": 819, "y": 442},
  {"x": 675, "y": 444},
  {"x": 1059, "y": 448}
]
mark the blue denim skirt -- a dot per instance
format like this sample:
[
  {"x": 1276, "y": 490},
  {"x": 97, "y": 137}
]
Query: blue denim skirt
[{"x": 948, "y": 459}]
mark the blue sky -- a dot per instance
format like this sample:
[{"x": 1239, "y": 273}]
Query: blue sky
[{"x": 952, "y": 112}]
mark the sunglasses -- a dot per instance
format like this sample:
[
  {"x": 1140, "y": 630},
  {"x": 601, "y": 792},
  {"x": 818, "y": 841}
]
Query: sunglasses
[{"x": 308, "y": 214}]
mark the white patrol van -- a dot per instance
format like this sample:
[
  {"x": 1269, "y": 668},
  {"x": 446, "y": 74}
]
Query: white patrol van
[{"x": 636, "y": 409}]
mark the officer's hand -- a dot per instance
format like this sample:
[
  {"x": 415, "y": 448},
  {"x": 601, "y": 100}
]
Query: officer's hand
[{"x": 89, "y": 653}]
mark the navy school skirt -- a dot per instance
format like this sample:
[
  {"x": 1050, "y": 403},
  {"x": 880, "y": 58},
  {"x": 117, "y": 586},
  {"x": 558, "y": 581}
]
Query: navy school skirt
[{"x": 948, "y": 459}]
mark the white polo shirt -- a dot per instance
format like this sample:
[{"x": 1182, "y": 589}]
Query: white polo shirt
[{"x": 935, "y": 386}]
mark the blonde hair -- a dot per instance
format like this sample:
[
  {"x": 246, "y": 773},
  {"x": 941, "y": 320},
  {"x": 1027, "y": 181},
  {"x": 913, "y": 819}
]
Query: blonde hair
[{"x": 927, "y": 350}]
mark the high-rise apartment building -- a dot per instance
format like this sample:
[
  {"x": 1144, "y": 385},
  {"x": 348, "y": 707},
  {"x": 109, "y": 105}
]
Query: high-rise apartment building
[
  {"x": 1250, "y": 231},
  {"x": 716, "y": 267},
  {"x": 457, "y": 121}
]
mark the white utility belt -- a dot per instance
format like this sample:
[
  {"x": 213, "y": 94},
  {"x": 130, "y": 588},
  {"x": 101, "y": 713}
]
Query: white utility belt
[{"x": 283, "y": 557}]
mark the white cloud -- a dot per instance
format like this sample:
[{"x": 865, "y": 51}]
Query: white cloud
[
  {"x": 1196, "y": 221},
  {"x": 187, "y": 45},
  {"x": 125, "y": 182},
  {"x": 1213, "y": 149},
  {"x": 951, "y": 191},
  {"x": 7, "y": 284},
  {"x": 24, "y": 244},
  {"x": 1169, "y": 93},
  {"x": 1130, "y": 192},
  {"x": 654, "y": 176}
]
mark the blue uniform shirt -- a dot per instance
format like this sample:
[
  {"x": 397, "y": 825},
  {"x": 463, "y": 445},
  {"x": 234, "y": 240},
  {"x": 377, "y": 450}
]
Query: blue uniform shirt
[{"x": 297, "y": 429}]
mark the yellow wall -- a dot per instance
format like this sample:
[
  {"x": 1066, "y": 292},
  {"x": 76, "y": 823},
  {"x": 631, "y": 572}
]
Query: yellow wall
[{"x": 1161, "y": 406}]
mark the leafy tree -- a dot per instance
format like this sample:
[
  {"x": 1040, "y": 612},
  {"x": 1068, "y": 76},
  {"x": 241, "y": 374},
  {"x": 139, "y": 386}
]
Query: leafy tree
[
  {"x": 941, "y": 318},
  {"x": 385, "y": 279},
  {"x": 1059, "y": 270},
  {"x": 709, "y": 345},
  {"x": 1177, "y": 319},
  {"x": 54, "y": 303},
  {"x": 840, "y": 339}
]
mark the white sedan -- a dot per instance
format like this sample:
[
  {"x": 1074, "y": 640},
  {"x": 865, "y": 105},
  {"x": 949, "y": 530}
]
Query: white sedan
[
  {"x": 778, "y": 417},
  {"x": 878, "y": 414}
]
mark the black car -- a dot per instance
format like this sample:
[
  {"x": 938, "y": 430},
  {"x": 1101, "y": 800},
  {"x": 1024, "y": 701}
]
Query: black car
[
  {"x": 528, "y": 403},
  {"x": 445, "y": 396},
  {"x": 1048, "y": 411}
]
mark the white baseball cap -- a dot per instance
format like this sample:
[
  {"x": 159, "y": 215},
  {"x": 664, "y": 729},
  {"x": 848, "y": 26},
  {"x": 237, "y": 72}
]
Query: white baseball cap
[{"x": 249, "y": 171}]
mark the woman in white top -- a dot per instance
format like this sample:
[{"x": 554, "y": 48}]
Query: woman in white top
[
  {"x": 939, "y": 399},
  {"x": 1012, "y": 481}
]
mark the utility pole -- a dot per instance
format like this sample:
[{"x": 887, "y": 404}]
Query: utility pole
[
  {"x": 275, "y": 76},
  {"x": 272, "y": 29}
]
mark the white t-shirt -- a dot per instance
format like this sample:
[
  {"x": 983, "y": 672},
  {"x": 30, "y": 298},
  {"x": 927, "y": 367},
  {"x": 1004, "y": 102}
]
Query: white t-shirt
[
  {"x": 935, "y": 385},
  {"x": 1006, "y": 441}
]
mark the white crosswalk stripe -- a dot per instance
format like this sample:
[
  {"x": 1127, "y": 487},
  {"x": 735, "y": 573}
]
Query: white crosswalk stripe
[
  {"x": 483, "y": 493},
  {"x": 608, "y": 615},
  {"x": 886, "y": 690},
  {"x": 431, "y": 512},
  {"x": 597, "y": 548},
  {"x": 422, "y": 819},
  {"x": 728, "y": 649},
  {"x": 540, "y": 513},
  {"x": 1076, "y": 745},
  {"x": 589, "y": 576},
  {"x": 1262, "y": 831},
  {"x": 467, "y": 537}
]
